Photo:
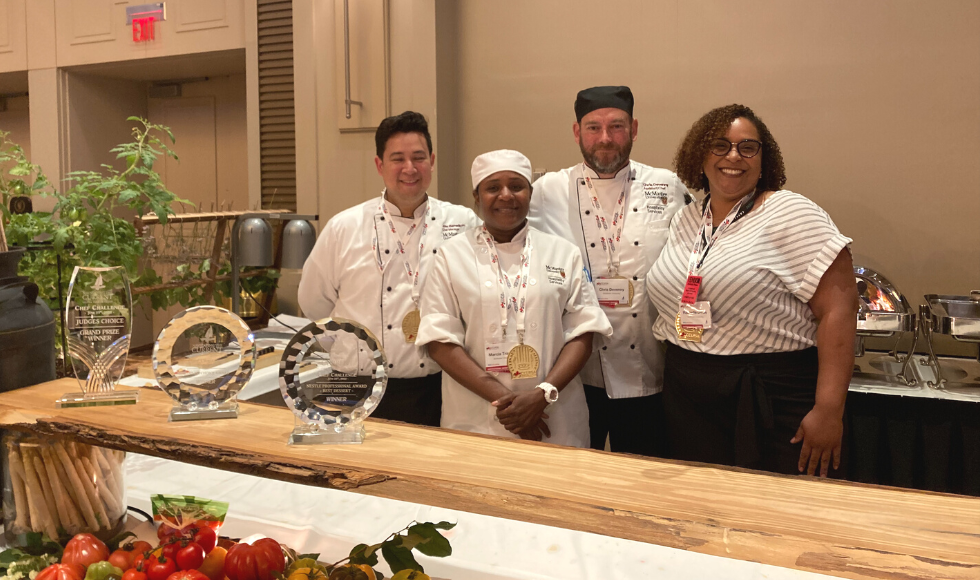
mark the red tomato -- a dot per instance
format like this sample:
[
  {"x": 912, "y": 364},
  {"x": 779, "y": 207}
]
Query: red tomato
[
  {"x": 85, "y": 549},
  {"x": 134, "y": 574},
  {"x": 257, "y": 561},
  {"x": 62, "y": 572},
  {"x": 190, "y": 557},
  {"x": 187, "y": 575},
  {"x": 159, "y": 567},
  {"x": 138, "y": 562},
  {"x": 139, "y": 547},
  {"x": 166, "y": 531},
  {"x": 170, "y": 550},
  {"x": 122, "y": 559},
  {"x": 207, "y": 538}
]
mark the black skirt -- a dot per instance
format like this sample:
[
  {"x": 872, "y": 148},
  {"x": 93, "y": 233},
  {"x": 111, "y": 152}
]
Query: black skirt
[{"x": 739, "y": 410}]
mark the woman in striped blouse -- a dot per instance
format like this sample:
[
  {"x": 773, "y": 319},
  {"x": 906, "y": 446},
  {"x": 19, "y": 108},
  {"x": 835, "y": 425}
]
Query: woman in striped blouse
[{"x": 751, "y": 280}]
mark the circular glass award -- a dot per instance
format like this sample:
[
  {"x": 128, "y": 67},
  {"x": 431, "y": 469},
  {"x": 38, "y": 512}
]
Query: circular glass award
[
  {"x": 203, "y": 357},
  {"x": 332, "y": 376}
]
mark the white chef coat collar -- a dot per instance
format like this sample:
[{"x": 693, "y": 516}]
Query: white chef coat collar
[
  {"x": 619, "y": 174},
  {"x": 394, "y": 211},
  {"x": 518, "y": 238}
]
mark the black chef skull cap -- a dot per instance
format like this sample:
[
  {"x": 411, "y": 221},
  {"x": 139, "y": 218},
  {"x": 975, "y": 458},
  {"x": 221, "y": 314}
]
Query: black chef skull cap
[{"x": 596, "y": 98}]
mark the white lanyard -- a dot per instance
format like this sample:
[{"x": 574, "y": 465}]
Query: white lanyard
[
  {"x": 400, "y": 243},
  {"x": 703, "y": 243},
  {"x": 608, "y": 239},
  {"x": 518, "y": 300}
]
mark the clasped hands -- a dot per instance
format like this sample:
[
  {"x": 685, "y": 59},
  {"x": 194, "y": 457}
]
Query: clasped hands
[{"x": 523, "y": 414}]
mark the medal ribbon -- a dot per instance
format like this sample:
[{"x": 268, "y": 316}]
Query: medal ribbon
[
  {"x": 518, "y": 300},
  {"x": 400, "y": 243},
  {"x": 609, "y": 239}
]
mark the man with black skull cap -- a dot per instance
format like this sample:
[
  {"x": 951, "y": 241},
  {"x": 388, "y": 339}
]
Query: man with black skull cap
[{"x": 618, "y": 212}]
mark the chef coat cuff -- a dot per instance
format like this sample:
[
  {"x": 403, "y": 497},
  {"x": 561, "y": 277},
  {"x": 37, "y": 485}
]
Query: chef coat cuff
[
  {"x": 586, "y": 319},
  {"x": 441, "y": 328}
]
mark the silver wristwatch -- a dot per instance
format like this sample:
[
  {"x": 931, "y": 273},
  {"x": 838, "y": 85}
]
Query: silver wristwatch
[{"x": 550, "y": 392}]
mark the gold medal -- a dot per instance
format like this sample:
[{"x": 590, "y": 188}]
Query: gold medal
[
  {"x": 688, "y": 333},
  {"x": 410, "y": 325},
  {"x": 522, "y": 362}
]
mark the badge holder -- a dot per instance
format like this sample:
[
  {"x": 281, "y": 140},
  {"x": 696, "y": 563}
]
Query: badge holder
[
  {"x": 332, "y": 376},
  {"x": 98, "y": 321},
  {"x": 203, "y": 357}
]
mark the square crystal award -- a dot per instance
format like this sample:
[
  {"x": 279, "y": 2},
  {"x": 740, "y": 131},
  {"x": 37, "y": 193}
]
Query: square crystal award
[
  {"x": 202, "y": 358},
  {"x": 98, "y": 323},
  {"x": 332, "y": 375}
]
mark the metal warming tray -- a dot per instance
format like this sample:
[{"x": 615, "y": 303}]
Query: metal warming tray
[
  {"x": 882, "y": 310},
  {"x": 956, "y": 316}
]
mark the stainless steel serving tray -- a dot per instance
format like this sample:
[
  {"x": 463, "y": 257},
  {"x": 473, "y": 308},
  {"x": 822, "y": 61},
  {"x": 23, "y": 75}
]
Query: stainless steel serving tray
[
  {"x": 883, "y": 310},
  {"x": 956, "y": 316}
]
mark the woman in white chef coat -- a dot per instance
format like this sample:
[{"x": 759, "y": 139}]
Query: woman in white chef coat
[{"x": 509, "y": 317}]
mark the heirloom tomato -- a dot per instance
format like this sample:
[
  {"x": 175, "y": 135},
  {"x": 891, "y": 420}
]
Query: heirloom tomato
[
  {"x": 84, "y": 550},
  {"x": 61, "y": 572},
  {"x": 257, "y": 561},
  {"x": 187, "y": 575},
  {"x": 190, "y": 557}
]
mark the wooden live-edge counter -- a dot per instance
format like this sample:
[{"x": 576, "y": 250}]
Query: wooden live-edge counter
[{"x": 842, "y": 529}]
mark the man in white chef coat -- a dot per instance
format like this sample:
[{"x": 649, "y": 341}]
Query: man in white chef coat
[
  {"x": 370, "y": 264},
  {"x": 618, "y": 212}
]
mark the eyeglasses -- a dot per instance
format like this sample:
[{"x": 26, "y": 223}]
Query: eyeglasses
[{"x": 746, "y": 147}]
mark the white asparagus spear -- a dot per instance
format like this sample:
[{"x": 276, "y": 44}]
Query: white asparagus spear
[
  {"x": 22, "y": 514},
  {"x": 74, "y": 512},
  {"x": 68, "y": 520},
  {"x": 33, "y": 457},
  {"x": 108, "y": 501},
  {"x": 109, "y": 477},
  {"x": 35, "y": 499},
  {"x": 88, "y": 481}
]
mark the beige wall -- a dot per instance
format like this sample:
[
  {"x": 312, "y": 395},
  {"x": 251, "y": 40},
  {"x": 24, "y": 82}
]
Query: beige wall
[
  {"x": 16, "y": 121},
  {"x": 876, "y": 105},
  {"x": 13, "y": 35}
]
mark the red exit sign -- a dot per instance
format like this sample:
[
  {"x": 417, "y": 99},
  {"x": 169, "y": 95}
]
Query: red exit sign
[{"x": 143, "y": 18}]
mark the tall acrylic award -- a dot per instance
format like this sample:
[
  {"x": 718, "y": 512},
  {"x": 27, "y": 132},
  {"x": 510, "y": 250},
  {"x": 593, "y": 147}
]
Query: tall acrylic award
[
  {"x": 332, "y": 376},
  {"x": 202, "y": 358},
  {"x": 98, "y": 323}
]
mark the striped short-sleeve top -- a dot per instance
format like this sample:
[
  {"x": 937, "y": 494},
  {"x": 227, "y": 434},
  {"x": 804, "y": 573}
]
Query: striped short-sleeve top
[{"x": 758, "y": 276}]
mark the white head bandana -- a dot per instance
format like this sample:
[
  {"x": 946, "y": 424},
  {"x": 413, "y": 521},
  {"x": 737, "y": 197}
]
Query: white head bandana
[{"x": 501, "y": 160}]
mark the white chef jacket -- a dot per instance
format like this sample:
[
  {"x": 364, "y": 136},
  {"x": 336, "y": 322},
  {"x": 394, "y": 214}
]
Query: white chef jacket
[
  {"x": 630, "y": 363},
  {"x": 341, "y": 278},
  {"x": 461, "y": 305}
]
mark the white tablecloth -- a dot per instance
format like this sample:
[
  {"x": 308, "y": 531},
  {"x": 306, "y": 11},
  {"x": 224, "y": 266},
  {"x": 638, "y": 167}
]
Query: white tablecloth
[{"x": 331, "y": 522}]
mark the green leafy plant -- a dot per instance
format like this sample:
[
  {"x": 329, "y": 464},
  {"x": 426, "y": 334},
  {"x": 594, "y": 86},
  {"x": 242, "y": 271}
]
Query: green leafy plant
[{"x": 397, "y": 548}]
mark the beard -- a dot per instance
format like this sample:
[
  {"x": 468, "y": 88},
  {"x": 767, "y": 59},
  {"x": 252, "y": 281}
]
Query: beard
[{"x": 614, "y": 163}]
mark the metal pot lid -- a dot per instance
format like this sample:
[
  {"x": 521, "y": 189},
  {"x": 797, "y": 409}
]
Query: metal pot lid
[{"x": 882, "y": 309}]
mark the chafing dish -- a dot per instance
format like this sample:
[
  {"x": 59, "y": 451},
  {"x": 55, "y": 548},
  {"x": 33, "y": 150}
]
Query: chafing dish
[
  {"x": 958, "y": 317},
  {"x": 883, "y": 312}
]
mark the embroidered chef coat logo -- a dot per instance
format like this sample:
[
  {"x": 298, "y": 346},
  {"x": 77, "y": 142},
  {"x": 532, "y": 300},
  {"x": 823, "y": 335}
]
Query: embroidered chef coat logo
[
  {"x": 556, "y": 275},
  {"x": 450, "y": 230},
  {"x": 655, "y": 191}
]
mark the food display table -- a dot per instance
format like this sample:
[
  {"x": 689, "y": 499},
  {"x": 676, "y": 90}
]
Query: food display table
[{"x": 834, "y": 528}]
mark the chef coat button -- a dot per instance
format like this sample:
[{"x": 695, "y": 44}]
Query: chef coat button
[
  {"x": 488, "y": 283},
  {"x": 391, "y": 366},
  {"x": 433, "y": 218},
  {"x": 634, "y": 277},
  {"x": 635, "y": 210},
  {"x": 533, "y": 281},
  {"x": 587, "y": 212},
  {"x": 386, "y": 251},
  {"x": 632, "y": 346},
  {"x": 636, "y": 243},
  {"x": 389, "y": 288},
  {"x": 534, "y": 325},
  {"x": 634, "y": 315},
  {"x": 382, "y": 218},
  {"x": 421, "y": 365},
  {"x": 433, "y": 251},
  {"x": 603, "y": 348},
  {"x": 592, "y": 244},
  {"x": 389, "y": 327}
]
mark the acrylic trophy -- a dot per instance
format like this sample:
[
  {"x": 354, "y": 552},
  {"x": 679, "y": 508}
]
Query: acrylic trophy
[
  {"x": 98, "y": 322},
  {"x": 332, "y": 376},
  {"x": 202, "y": 359}
]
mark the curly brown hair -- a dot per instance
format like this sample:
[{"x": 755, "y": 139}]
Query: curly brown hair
[{"x": 689, "y": 161}]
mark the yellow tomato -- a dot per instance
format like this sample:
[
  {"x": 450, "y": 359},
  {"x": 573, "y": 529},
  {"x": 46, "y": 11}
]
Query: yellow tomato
[
  {"x": 410, "y": 575},
  {"x": 214, "y": 564}
]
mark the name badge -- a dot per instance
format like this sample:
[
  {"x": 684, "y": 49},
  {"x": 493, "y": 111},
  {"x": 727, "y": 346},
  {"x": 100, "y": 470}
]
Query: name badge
[
  {"x": 496, "y": 357},
  {"x": 613, "y": 292},
  {"x": 696, "y": 315}
]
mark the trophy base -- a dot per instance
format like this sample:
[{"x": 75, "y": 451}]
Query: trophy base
[
  {"x": 188, "y": 413},
  {"x": 97, "y": 399},
  {"x": 303, "y": 435}
]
